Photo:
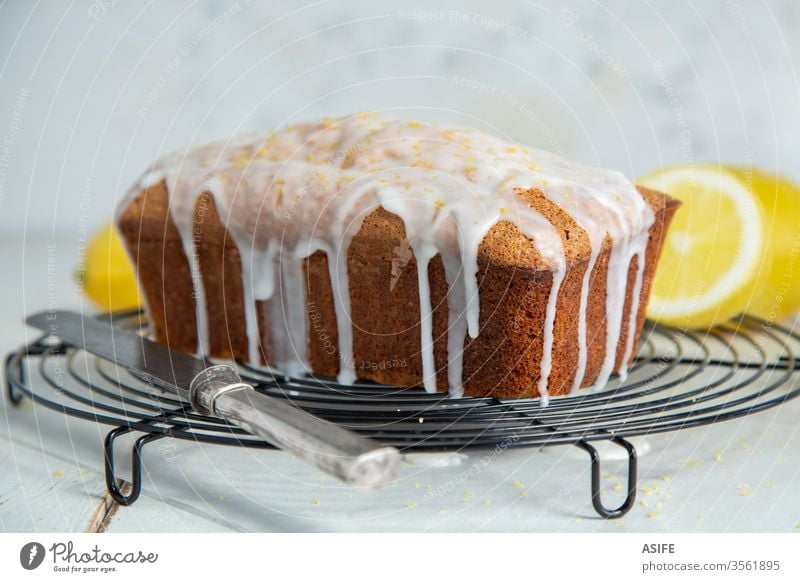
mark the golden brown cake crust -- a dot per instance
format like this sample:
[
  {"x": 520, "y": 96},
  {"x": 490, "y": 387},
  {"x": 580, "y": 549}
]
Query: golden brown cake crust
[{"x": 514, "y": 282}]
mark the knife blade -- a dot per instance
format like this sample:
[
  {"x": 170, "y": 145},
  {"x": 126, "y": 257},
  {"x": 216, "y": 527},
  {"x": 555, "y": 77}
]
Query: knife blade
[{"x": 218, "y": 390}]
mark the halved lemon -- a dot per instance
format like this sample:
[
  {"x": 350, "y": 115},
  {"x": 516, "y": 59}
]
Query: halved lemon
[{"x": 714, "y": 251}]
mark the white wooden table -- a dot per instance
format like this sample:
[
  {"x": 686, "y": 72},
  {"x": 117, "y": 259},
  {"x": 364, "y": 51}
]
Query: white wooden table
[{"x": 736, "y": 476}]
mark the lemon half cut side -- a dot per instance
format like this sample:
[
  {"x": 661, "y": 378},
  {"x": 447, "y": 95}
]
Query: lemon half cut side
[{"x": 714, "y": 249}]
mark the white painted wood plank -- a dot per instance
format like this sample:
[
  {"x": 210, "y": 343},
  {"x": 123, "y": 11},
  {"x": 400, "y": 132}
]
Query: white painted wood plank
[
  {"x": 41, "y": 493},
  {"x": 151, "y": 514},
  {"x": 74, "y": 448}
]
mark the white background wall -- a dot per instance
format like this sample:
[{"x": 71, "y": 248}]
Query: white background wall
[{"x": 91, "y": 92}]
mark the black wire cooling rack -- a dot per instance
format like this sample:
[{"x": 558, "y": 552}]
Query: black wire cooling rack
[{"x": 679, "y": 380}]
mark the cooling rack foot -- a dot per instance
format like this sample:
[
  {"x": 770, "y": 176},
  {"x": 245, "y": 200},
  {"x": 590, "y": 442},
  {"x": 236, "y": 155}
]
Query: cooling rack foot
[
  {"x": 113, "y": 484},
  {"x": 597, "y": 500}
]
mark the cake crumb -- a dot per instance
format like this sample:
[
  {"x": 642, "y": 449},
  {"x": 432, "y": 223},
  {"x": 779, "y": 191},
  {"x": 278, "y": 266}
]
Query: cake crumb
[
  {"x": 315, "y": 502},
  {"x": 58, "y": 473},
  {"x": 488, "y": 502},
  {"x": 653, "y": 515},
  {"x": 744, "y": 490},
  {"x": 519, "y": 485},
  {"x": 242, "y": 161},
  {"x": 411, "y": 505},
  {"x": 417, "y": 485},
  {"x": 617, "y": 487},
  {"x": 666, "y": 478},
  {"x": 693, "y": 462},
  {"x": 718, "y": 456},
  {"x": 444, "y": 510}
]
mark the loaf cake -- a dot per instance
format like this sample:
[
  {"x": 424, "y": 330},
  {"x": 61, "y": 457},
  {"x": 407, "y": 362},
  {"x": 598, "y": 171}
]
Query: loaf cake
[{"x": 398, "y": 251}]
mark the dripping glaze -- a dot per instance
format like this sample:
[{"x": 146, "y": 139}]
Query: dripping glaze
[{"x": 308, "y": 187}]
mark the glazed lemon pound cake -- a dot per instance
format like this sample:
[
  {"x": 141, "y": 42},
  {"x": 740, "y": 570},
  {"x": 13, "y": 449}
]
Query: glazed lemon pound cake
[{"x": 403, "y": 252}]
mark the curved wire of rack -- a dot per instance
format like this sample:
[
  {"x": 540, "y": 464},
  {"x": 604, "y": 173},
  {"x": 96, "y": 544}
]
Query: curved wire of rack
[{"x": 679, "y": 380}]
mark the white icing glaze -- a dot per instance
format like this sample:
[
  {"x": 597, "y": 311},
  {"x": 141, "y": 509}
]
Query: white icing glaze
[{"x": 308, "y": 187}]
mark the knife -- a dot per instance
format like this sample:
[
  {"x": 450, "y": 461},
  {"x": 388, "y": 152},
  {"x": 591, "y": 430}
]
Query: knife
[{"x": 218, "y": 390}]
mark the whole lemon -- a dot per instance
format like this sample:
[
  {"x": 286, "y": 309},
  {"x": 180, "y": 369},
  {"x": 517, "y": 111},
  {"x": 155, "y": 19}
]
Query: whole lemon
[
  {"x": 106, "y": 275},
  {"x": 778, "y": 285}
]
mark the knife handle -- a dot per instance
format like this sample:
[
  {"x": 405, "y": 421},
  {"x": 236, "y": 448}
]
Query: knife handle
[{"x": 354, "y": 459}]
